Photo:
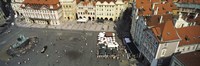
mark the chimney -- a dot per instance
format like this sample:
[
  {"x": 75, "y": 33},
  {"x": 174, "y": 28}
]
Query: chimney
[
  {"x": 194, "y": 23},
  {"x": 156, "y": 11},
  {"x": 161, "y": 17},
  {"x": 196, "y": 15},
  {"x": 180, "y": 15},
  {"x": 153, "y": 5}
]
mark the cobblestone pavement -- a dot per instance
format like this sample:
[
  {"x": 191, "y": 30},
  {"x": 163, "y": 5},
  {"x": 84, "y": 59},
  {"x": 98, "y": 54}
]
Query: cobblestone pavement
[{"x": 72, "y": 25}]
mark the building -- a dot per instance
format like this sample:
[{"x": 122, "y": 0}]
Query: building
[
  {"x": 157, "y": 39},
  {"x": 187, "y": 59},
  {"x": 46, "y": 12},
  {"x": 187, "y": 20},
  {"x": 188, "y": 6},
  {"x": 190, "y": 39},
  {"x": 86, "y": 9},
  {"x": 149, "y": 8},
  {"x": 110, "y": 9},
  {"x": 2, "y": 17},
  {"x": 16, "y": 5},
  {"x": 68, "y": 9}
]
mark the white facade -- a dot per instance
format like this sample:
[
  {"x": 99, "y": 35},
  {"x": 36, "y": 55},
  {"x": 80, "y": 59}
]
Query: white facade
[
  {"x": 16, "y": 5},
  {"x": 43, "y": 15},
  {"x": 149, "y": 46},
  {"x": 86, "y": 9},
  {"x": 110, "y": 10},
  {"x": 188, "y": 48},
  {"x": 68, "y": 9}
]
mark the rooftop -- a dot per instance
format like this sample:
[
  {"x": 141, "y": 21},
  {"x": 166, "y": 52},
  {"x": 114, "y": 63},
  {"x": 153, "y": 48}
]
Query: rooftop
[
  {"x": 108, "y": 1},
  {"x": 87, "y": 3},
  {"x": 165, "y": 31},
  {"x": 37, "y": 4},
  {"x": 189, "y": 59},
  {"x": 149, "y": 7},
  {"x": 155, "y": 19},
  {"x": 192, "y": 18},
  {"x": 189, "y": 35}
]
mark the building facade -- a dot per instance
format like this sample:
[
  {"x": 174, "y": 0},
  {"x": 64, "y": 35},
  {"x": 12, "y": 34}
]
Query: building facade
[
  {"x": 16, "y": 5},
  {"x": 86, "y": 9},
  {"x": 47, "y": 12},
  {"x": 68, "y": 9},
  {"x": 110, "y": 9}
]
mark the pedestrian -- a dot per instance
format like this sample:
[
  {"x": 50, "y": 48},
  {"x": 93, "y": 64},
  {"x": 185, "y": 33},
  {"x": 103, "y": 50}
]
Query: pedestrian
[
  {"x": 19, "y": 63},
  {"x": 24, "y": 61},
  {"x": 57, "y": 61},
  {"x": 86, "y": 44},
  {"x": 47, "y": 55},
  {"x": 56, "y": 51},
  {"x": 91, "y": 51},
  {"x": 65, "y": 50}
]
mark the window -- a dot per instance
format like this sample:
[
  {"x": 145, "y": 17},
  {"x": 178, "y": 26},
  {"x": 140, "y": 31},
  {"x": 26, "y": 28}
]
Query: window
[
  {"x": 194, "y": 47},
  {"x": 163, "y": 52},
  {"x": 178, "y": 50},
  {"x": 188, "y": 48},
  {"x": 165, "y": 45}
]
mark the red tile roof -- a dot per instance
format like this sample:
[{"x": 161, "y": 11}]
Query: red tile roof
[
  {"x": 106, "y": 1},
  {"x": 145, "y": 7},
  {"x": 85, "y": 3},
  {"x": 78, "y": 1},
  {"x": 165, "y": 31},
  {"x": 189, "y": 59},
  {"x": 155, "y": 19},
  {"x": 164, "y": 8},
  {"x": 42, "y": 2},
  {"x": 37, "y": 4},
  {"x": 189, "y": 35}
]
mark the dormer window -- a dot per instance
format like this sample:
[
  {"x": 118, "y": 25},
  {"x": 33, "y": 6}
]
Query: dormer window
[
  {"x": 58, "y": 5},
  {"x": 23, "y": 5},
  {"x": 51, "y": 6}
]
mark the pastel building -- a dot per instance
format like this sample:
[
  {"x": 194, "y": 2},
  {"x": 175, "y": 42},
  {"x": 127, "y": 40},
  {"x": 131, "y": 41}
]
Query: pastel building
[
  {"x": 86, "y": 9},
  {"x": 68, "y": 9},
  {"x": 110, "y": 9},
  {"x": 16, "y": 5},
  {"x": 46, "y": 12}
]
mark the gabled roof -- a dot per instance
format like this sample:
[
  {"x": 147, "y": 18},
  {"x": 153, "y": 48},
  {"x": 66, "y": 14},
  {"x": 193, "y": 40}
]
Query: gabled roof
[
  {"x": 163, "y": 8},
  {"x": 165, "y": 32},
  {"x": 189, "y": 59},
  {"x": 189, "y": 35},
  {"x": 41, "y": 2},
  {"x": 106, "y": 1},
  {"x": 155, "y": 19},
  {"x": 37, "y": 4},
  {"x": 87, "y": 3},
  {"x": 148, "y": 7}
]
